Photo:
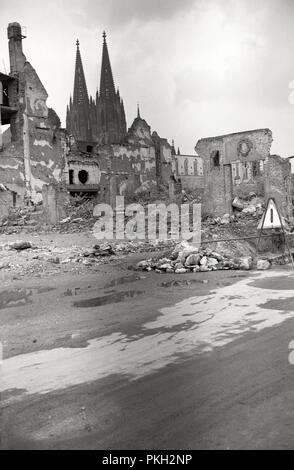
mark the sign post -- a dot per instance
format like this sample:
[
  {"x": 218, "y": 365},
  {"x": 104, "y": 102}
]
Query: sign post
[{"x": 272, "y": 219}]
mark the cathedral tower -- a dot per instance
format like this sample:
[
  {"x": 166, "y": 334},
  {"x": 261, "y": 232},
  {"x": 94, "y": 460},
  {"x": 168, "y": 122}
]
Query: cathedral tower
[
  {"x": 78, "y": 121},
  {"x": 100, "y": 121},
  {"x": 111, "y": 119}
]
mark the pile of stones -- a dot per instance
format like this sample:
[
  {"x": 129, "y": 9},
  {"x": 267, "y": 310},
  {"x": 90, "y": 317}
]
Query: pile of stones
[{"x": 187, "y": 258}]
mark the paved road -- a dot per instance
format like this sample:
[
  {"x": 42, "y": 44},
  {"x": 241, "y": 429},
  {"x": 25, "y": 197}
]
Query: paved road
[{"x": 127, "y": 360}]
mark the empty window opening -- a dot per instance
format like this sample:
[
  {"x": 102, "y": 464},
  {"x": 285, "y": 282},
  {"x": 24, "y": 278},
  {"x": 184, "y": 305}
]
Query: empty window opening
[
  {"x": 71, "y": 176},
  {"x": 195, "y": 167},
  {"x": 4, "y": 98},
  {"x": 216, "y": 158},
  {"x": 83, "y": 176},
  {"x": 89, "y": 148},
  {"x": 14, "y": 195}
]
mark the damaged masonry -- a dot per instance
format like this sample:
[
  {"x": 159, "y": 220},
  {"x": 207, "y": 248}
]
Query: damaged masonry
[
  {"x": 146, "y": 290},
  {"x": 96, "y": 156}
]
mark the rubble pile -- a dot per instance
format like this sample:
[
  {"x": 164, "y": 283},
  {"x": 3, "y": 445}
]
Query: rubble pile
[
  {"x": 23, "y": 219},
  {"x": 252, "y": 205},
  {"x": 79, "y": 215},
  {"x": 188, "y": 258}
]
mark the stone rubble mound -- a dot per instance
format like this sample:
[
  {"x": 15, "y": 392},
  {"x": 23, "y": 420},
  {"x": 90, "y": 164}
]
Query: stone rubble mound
[{"x": 187, "y": 258}]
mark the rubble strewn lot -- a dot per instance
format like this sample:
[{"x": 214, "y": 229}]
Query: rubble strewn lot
[
  {"x": 55, "y": 253},
  {"x": 29, "y": 246}
]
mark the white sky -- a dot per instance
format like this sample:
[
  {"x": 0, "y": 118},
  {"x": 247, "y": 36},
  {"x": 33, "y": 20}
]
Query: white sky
[{"x": 198, "y": 67}]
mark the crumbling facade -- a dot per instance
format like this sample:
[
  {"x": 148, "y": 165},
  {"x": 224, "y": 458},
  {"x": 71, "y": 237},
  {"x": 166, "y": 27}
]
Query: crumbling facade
[
  {"x": 278, "y": 183},
  {"x": 31, "y": 151},
  {"x": 95, "y": 147},
  {"x": 97, "y": 152},
  {"x": 139, "y": 163},
  {"x": 189, "y": 170},
  {"x": 239, "y": 163}
]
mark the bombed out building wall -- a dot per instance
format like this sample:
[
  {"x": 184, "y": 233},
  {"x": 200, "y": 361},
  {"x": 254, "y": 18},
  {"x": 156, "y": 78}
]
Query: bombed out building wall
[
  {"x": 189, "y": 170},
  {"x": 278, "y": 183},
  {"x": 139, "y": 163},
  {"x": 238, "y": 164},
  {"x": 31, "y": 153}
]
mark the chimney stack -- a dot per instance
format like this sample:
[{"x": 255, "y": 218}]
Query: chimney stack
[{"x": 16, "y": 55}]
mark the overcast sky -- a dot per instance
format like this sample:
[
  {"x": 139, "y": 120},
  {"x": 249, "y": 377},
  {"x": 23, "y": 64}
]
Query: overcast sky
[{"x": 198, "y": 67}]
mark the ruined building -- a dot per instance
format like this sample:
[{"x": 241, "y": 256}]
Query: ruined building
[
  {"x": 32, "y": 149},
  {"x": 189, "y": 170},
  {"x": 35, "y": 152},
  {"x": 97, "y": 151},
  {"x": 239, "y": 163}
]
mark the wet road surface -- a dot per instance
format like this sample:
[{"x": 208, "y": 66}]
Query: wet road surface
[{"x": 147, "y": 361}]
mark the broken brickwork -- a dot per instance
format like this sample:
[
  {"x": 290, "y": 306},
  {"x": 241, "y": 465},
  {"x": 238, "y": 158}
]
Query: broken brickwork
[
  {"x": 33, "y": 156},
  {"x": 189, "y": 170},
  {"x": 238, "y": 164},
  {"x": 278, "y": 183},
  {"x": 132, "y": 162}
]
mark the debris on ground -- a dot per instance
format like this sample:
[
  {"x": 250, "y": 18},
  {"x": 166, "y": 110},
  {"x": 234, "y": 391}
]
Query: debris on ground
[
  {"x": 263, "y": 264},
  {"x": 20, "y": 245},
  {"x": 228, "y": 242},
  {"x": 188, "y": 258}
]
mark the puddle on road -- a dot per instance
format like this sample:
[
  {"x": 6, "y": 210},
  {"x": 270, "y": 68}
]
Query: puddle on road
[
  {"x": 43, "y": 290},
  {"x": 123, "y": 280},
  {"x": 15, "y": 297},
  {"x": 76, "y": 291},
  {"x": 233, "y": 276},
  {"x": 276, "y": 282},
  {"x": 108, "y": 299},
  {"x": 115, "y": 282},
  {"x": 183, "y": 282},
  {"x": 21, "y": 296}
]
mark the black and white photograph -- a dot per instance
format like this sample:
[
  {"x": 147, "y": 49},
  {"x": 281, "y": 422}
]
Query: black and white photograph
[{"x": 146, "y": 228}]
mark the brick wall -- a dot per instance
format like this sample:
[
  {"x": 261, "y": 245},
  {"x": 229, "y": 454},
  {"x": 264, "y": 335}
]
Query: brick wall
[
  {"x": 278, "y": 183},
  {"x": 223, "y": 154}
]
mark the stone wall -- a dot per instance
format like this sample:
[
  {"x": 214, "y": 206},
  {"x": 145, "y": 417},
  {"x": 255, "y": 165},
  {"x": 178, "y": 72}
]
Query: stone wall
[
  {"x": 192, "y": 182},
  {"x": 83, "y": 173},
  {"x": 7, "y": 200},
  {"x": 191, "y": 165},
  {"x": 233, "y": 164},
  {"x": 278, "y": 183},
  {"x": 34, "y": 156}
]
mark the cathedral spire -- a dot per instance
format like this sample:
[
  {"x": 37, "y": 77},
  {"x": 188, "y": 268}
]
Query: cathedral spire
[
  {"x": 138, "y": 111},
  {"x": 80, "y": 95},
  {"x": 173, "y": 150},
  {"x": 78, "y": 120},
  {"x": 106, "y": 79}
]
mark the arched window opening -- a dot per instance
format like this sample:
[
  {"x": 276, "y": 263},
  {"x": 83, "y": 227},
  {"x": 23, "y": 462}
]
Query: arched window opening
[{"x": 83, "y": 176}]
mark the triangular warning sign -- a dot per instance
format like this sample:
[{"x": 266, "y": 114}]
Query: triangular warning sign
[{"x": 271, "y": 218}]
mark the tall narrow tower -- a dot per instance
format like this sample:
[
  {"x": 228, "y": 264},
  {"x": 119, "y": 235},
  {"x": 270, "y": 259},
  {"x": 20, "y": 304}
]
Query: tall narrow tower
[
  {"x": 111, "y": 119},
  {"x": 78, "y": 113}
]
